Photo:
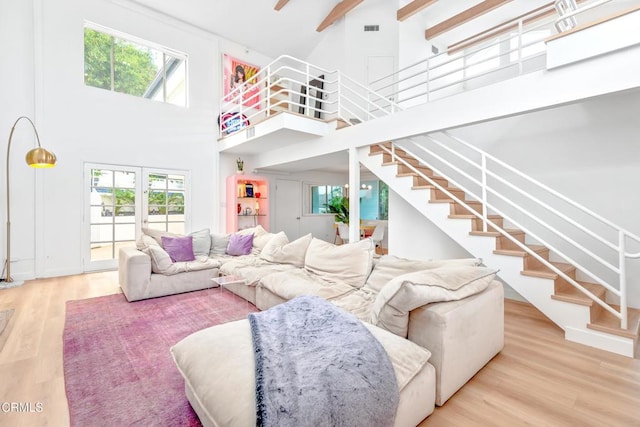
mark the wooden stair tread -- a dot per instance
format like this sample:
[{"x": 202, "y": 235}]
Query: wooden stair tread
[
  {"x": 433, "y": 187},
  {"x": 471, "y": 216},
  {"x": 519, "y": 252},
  {"x": 512, "y": 231},
  {"x": 547, "y": 274},
  {"x": 468, "y": 202},
  {"x": 574, "y": 296},
  {"x": 608, "y": 323}
]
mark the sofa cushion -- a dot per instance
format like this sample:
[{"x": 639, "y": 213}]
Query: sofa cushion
[
  {"x": 357, "y": 302},
  {"x": 201, "y": 242},
  {"x": 179, "y": 248},
  {"x": 349, "y": 263},
  {"x": 157, "y": 234},
  {"x": 223, "y": 393},
  {"x": 240, "y": 244},
  {"x": 290, "y": 284},
  {"x": 219, "y": 243},
  {"x": 251, "y": 268},
  {"x": 143, "y": 242},
  {"x": 412, "y": 290},
  {"x": 280, "y": 250},
  {"x": 389, "y": 267},
  {"x": 161, "y": 262},
  {"x": 260, "y": 237}
]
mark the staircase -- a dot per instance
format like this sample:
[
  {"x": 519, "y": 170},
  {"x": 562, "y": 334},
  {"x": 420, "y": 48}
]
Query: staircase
[{"x": 541, "y": 275}]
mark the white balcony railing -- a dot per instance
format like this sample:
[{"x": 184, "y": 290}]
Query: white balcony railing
[
  {"x": 508, "y": 50},
  {"x": 292, "y": 85}
]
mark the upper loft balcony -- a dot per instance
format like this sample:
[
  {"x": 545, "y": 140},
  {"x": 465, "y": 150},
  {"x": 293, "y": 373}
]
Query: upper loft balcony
[
  {"x": 289, "y": 101},
  {"x": 511, "y": 69}
]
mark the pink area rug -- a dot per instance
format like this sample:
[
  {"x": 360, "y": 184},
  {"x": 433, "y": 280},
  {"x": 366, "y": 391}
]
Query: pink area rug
[{"x": 117, "y": 366}]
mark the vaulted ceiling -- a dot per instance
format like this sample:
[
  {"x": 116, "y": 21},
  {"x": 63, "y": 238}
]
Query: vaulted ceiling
[{"x": 274, "y": 27}]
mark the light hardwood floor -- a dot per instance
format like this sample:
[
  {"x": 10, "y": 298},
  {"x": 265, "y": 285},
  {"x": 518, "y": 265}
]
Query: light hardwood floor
[{"x": 538, "y": 379}]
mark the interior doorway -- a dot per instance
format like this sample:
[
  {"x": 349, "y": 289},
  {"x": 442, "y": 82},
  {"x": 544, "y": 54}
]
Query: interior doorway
[{"x": 288, "y": 207}]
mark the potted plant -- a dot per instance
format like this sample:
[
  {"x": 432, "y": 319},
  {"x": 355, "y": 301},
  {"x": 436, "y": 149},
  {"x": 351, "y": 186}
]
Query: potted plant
[{"x": 339, "y": 207}]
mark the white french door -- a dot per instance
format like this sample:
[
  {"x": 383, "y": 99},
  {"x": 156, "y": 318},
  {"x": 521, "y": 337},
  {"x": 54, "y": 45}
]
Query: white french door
[{"x": 123, "y": 199}]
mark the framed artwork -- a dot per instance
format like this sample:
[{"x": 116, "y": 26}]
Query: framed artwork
[{"x": 237, "y": 73}]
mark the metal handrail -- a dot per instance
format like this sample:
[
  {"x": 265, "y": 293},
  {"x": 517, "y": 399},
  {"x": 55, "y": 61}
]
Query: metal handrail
[
  {"x": 338, "y": 92},
  {"x": 482, "y": 166},
  {"x": 427, "y": 71}
]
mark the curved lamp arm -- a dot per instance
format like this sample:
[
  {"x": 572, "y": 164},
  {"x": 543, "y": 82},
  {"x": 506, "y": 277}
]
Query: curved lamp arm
[{"x": 37, "y": 158}]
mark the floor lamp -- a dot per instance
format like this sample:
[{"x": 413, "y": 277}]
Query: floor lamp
[{"x": 36, "y": 158}]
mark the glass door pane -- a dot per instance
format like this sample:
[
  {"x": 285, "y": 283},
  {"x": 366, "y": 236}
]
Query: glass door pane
[
  {"x": 165, "y": 201},
  {"x": 111, "y": 212}
]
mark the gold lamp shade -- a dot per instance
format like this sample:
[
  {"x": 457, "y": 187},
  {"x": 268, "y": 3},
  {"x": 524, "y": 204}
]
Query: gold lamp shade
[{"x": 40, "y": 158}]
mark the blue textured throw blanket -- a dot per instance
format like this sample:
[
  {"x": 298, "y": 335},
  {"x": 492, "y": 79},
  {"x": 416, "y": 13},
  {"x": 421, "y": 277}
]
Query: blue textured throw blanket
[{"x": 317, "y": 365}]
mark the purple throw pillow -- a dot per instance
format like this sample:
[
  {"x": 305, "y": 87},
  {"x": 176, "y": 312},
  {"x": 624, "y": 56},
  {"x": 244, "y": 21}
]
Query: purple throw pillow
[
  {"x": 179, "y": 248},
  {"x": 240, "y": 244}
]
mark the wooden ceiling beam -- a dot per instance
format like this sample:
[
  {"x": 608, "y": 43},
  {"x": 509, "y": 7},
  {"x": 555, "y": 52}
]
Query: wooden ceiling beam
[
  {"x": 281, "y": 4},
  {"x": 412, "y": 8},
  {"x": 464, "y": 17},
  {"x": 341, "y": 9},
  {"x": 500, "y": 29}
]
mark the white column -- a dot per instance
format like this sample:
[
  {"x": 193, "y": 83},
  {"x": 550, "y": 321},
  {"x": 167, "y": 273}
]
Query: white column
[{"x": 354, "y": 195}]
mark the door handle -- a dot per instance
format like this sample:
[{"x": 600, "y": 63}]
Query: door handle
[{"x": 297, "y": 217}]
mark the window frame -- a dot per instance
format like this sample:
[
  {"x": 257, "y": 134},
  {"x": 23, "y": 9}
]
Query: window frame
[
  {"x": 141, "y": 208},
  {"x": 150, "y": 45},
  {"x": 308, "y": 197}
]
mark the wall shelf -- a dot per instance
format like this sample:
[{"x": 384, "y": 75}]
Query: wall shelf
[{"x": 236, "y": 197}]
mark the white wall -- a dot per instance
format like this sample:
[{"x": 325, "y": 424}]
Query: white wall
[
  {"x": 412, "y": 236},
  {"x": 17, "y": 89},
  {"x": 346, "y": 46},
  {"x": 586, "y": 151},
  {"x": 84, "y": 124},
  {"x": 321, "y": 226}
]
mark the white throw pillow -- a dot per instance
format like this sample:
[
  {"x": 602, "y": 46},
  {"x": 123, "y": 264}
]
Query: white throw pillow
[
  {"x": 389, "y": 267},
  {"x": 280, "y": 250},
  {"x": 144, "y": 241},
  {"x": 349, "y": 263},
  {"x": 391, "y": 308},
  {"x": 157, "y": 234},
  {"x": 219, "y": 243},
  {"x": 201, "y": 242},
  {"x": 161, "y": 261}
]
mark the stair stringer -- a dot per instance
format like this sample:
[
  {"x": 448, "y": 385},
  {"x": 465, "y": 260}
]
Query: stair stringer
[{"x": 572, "y": 318}]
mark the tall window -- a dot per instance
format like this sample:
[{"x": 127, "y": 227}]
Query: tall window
[
  {"x": 374, "y": 200},
  {"x": 322, "y": 195},
  {"x": 121, "y": 63}
]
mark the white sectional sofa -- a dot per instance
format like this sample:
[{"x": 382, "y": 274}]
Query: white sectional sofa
[{"x": 452, "y": 308}]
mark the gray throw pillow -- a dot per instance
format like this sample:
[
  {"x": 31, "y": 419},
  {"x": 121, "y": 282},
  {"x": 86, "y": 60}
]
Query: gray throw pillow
[
  {"x": 201, "y": 242},
  {"x": 219, "y": 243}
]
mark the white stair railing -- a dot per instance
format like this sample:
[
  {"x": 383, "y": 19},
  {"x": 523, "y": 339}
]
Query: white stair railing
[
  {"x": 296, "y": 86},
  {"x": 511, "y": 49},
  {"x": 494, "y": 183}
]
